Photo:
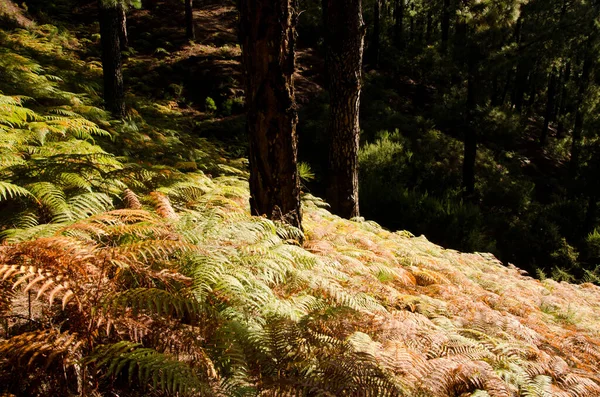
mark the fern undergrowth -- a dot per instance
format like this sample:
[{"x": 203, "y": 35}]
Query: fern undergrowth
[{"x": 130, "y": 266}]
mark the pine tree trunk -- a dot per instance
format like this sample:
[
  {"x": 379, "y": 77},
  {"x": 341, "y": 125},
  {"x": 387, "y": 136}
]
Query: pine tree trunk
[
  {"x": 190, "y": 33},
  {"x": 268, "y": 38},
  {"x": 110, "y": 17},
  {"x": 376, "y": 41},
  {"x": 445, "y": 26},
  {"x": 580, "y": 113},
  {"x": 429, "y": 27},
  {"x": 399, "y": 24},
  {"x": 549, "y": 106},
  {"x": 470, "y": 144},
  {"x": 123, "y": 35},
  {"x": 344, "y": 39},
  {"x": 563, "y": 100}
]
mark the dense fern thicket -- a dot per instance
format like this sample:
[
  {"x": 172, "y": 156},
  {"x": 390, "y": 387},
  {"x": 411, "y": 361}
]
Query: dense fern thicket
[{"x": 130, "y": 266}]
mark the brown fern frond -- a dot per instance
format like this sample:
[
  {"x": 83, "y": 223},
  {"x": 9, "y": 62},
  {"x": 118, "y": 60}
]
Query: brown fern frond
[
  {"x": 41, "y": 348},
  {"x": 163, "y": 206},
  {"x": 131, "y": 200}
]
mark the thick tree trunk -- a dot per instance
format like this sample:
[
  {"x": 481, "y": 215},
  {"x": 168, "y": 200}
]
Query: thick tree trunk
[
  {"x": 190, "y": 33},
  {"x": 344, "y": 38},
  {"x": 445, "y": 26},
  {"x": 110, "y": 18},
  {"x": 123, "y": 36},
  {"x": 376, "y": 41},
  {"x": 549, "y": 106},
  {"x": 399, "y": 24},
  {"x": 268, "y": 36}
]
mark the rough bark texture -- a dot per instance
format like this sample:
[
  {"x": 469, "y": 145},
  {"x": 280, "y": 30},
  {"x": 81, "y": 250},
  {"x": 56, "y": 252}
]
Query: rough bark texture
[
  {"x": 110, "y": 18},
  {"x": 268, "y": 34},
  {"x": 190, "y": 32},
  {"x": 344, "y": 39},
  {"x": 123, "y": 36}
]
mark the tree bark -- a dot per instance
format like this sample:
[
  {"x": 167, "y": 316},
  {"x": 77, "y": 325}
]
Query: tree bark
[
  {"x": 190, "y": 32},
  {"x": 344, "y": 39},
  {"x": 123, "y": 35},
  {"x": 399, "y": 24},
  {"x": 110, "y": 17},
  {"x": 549, "y": 106},
  {"x": 268, "y": 38}
]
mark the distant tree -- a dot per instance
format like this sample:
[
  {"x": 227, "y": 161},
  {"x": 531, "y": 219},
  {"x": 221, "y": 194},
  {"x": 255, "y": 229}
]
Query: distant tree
[
  {"x": 399, "y": 23},
  {"x": 376, "y": 39},
  {"x": 268, "y": 38},
  {"x": 445, "y": 25},
  {"x": 190, "y": 33},
  {"x": 344, "y": 39},
  {"x": 110, "y": 16}
]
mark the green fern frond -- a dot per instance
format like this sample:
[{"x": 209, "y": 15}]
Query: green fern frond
[
  {"x": 147, "y": 367},
  {"x": 158, "y": 301},
  {"x": 9, "y": 190}
]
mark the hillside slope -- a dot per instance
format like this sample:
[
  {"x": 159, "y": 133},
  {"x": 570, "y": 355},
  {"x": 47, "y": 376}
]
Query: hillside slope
[{"x": 130, "y": 265}]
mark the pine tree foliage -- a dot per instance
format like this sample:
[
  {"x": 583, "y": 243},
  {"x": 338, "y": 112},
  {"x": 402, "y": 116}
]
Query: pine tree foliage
[{"x": 118, "y": 276}]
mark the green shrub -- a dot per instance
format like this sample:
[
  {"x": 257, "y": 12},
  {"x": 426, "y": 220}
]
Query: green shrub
[{"x": 209, "y": 105}]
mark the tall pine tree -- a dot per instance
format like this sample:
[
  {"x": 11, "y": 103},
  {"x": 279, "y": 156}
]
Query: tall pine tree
[
  {"x": 344, "y": 38},
  {"x": 268, "y": 37}
]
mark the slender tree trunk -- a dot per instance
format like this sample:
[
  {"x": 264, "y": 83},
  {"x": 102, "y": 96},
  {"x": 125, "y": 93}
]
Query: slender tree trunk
[
  {"x": 429, "y": 27},
  {"x": 563, "y": 100},
  {"x": 580, "y": 112},
  {"x": 190, "y": 33},
  {"x": 445, "y": 26},
  {"x": 591, "y": 213},
  {"x": 519, "y": 89},
  {"x": 344, "y": 38},
  {"x": 376, "y": 41},
  {"x": 268, "y": 38},
  {"x": 399, "y": 24},
  {"x": 551, "y": 97},
  {"x": 494, "y": 96},
  {"x": 123, "y": 35},
  {"x": 412, "y": 21},
  {"x": 110, "y": 17},
  {"x": 470, "y": 144}
]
